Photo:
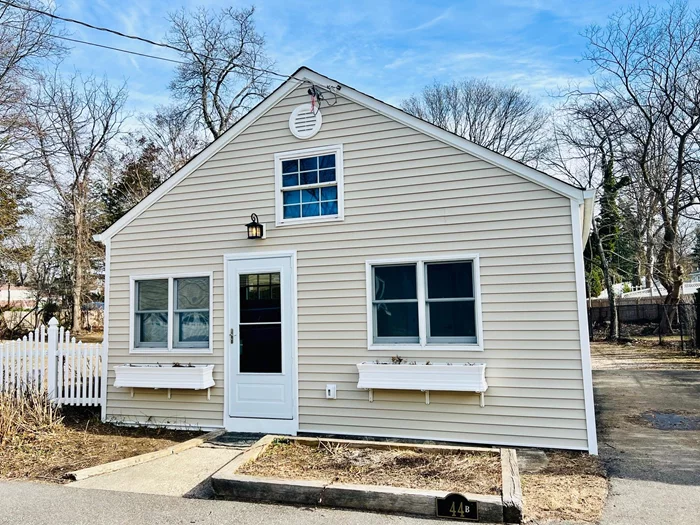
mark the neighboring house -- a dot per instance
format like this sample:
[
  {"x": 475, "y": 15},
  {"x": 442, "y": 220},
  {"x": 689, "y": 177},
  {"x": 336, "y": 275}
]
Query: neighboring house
[
  {"x": 17, "y": 297},
  {"x": 385, "y": 236}
]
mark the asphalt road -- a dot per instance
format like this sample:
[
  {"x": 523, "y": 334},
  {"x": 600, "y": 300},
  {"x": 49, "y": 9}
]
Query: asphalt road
[
  {"x": 654, "y": 466},
  {"x": 44, "y": 504}
]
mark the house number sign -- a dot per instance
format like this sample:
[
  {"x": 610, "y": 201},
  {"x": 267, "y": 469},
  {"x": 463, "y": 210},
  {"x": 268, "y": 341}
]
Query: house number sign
[{"x": 456, "y": 507}]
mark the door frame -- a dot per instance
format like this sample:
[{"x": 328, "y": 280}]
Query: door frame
[{"x": 267, "y": 426}]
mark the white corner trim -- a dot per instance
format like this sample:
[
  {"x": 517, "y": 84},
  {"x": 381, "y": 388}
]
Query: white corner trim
[
  {"x": 423, "y": 345},
  {"x": 105, "y": 335},
  {"x": 583, "y": 330},
  {"x": 335, "y": 149},
  {"x": 170, "y": 349}
]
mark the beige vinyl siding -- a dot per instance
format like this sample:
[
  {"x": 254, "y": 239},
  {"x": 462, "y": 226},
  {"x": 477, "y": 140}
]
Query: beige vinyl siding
[{"x": 406, "y": 194}]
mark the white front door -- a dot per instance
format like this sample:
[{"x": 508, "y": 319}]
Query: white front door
[{"x": 260, "y": 343}]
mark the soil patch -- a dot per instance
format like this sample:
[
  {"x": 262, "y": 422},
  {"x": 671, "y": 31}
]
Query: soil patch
[
  {"x": 78, "y": 441},
  {"x": 571, "y": 487},
  {"x": 475, "y": 472}
]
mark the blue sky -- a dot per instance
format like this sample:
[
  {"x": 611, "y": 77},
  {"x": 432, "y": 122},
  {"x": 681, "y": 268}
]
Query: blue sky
[{"x": 387, "y": 48}]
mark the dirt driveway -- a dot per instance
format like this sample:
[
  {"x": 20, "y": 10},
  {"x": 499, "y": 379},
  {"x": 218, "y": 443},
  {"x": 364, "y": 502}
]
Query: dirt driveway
[{"x": 649, "y": 436}]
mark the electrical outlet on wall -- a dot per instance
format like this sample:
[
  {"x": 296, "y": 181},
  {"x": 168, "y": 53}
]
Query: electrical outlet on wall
[{"x": 330, "y": 391}]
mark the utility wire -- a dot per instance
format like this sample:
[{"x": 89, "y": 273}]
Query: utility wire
[
  {"x": 139, "y": 38},
  {"x": 92, "y": 44},
  {"x": 316, "y": 92},
  {"x": 87, "y": 43}
]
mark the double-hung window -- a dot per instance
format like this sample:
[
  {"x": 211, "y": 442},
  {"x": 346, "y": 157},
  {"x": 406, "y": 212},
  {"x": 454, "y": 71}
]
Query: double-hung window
[
  {"x": 171, "y": 313},
  {"x": 309, "y": 185},
  {"x": 431, "y": 303}
]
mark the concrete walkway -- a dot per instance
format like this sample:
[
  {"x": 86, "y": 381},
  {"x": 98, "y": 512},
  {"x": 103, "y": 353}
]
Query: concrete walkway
[
  {"x": 655, "y": 472},
  {"x": 184, "y": 474}
]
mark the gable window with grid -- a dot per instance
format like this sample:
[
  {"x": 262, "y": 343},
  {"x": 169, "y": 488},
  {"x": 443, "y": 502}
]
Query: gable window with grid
[
  {"x": 309, "y": 185},
  {"x": 171, "y": 314},
  {"x": 424, "y": 303}
]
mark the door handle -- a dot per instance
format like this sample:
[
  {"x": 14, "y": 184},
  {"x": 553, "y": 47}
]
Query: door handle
[{"x": 231, "y": 335}]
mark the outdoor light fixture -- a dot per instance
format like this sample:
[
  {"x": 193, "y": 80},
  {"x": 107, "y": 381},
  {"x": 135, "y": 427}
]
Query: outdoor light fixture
[{"x": 255, "y": 229}]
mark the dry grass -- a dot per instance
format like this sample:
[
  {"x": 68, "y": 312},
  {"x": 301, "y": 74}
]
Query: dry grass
[
  {"x": 39, "y": 442},
  {"x": 641, "y": 355},
  {"x": 473, "y": 472},
  {"x": 25, "y": 416},
  {"x": 572, "y": 486}
]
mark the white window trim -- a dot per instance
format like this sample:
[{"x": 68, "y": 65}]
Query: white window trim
[
  {"x": 336, "y": 149},
  {"x": 420, "y": 289},
  {"x": 170, "y": 349}
]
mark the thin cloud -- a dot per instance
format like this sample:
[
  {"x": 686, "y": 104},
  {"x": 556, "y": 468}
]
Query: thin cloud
[{"x": 430, "y": 23}]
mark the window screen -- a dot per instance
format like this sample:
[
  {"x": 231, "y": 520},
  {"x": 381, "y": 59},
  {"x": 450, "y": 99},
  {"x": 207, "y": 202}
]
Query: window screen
[
  {"x": 395, "y": 304},
  {"x": 450, "y": 304},
  {"x": 191, "y": 312},
  {"x": 151, "y": 320}
]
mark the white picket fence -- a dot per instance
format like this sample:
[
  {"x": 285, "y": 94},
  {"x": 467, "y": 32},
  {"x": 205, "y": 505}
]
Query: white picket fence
[{"x": 52, "y": 362}]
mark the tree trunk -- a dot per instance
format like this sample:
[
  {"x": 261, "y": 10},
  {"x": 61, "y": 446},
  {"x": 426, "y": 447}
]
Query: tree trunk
[
  {"x": 673, "y": 298},
  {"x": 614, "y": 331},
  {"x": 78, "y": 256},
  {"x": 671, "y": 278},
  {"x": 649, "y": 265}
]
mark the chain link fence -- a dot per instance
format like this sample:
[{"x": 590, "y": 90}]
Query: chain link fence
[{"x": 651, "y": 322}]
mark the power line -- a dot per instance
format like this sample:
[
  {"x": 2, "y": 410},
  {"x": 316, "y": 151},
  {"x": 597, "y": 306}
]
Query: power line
[
  {"x": 103, "y": 46},
  {"x": 314, "y": 91},
  {"x": 75, "y": 40},
  {"x": 139, "y": 38}
]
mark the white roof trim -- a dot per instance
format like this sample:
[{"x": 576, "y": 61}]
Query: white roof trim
[{"x": 380, "y": 107}]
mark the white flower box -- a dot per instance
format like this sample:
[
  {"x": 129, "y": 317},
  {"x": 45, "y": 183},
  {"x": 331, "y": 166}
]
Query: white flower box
[
  {"x": 196, "y": 377},
  {"x": 470, "y": 377}
]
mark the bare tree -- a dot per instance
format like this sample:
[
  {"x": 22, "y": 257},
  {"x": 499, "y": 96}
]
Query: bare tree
[
  {"x": 587, "y": 147},
  {"x": 504, "y": 119},
  {"x": 647, "y": 59},
  {"x": 224, "y": 74},
  {"x": 25, "y": 41},
  {"x": 175, "y": 135},
  {"x": 73, "y": 122}
]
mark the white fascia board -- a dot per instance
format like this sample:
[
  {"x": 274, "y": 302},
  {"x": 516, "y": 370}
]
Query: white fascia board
[
  {"x": 451, "y": 139},
  {"x": 202, "y": 157}
]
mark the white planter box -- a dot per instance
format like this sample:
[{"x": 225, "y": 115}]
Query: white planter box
[
  {"x": 197, "y": 377},
  {"x": 439, "y": 376}
]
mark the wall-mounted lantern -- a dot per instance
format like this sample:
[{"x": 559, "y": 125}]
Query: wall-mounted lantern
[{"x": 255, "y": 229}]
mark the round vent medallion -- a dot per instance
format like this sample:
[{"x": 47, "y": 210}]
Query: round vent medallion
[{"x": 304, "y": 123}]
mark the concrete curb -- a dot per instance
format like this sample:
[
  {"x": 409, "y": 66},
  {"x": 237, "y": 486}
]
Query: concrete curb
[
  {"x": 143, "y": 458},
  {"x": 228, "y": 484}
]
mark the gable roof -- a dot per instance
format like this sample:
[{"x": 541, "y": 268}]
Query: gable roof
[{"x": 305, "y": 74}]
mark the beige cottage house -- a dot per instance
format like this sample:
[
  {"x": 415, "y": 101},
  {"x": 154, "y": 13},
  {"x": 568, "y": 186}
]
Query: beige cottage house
[{"x": 380, "y": 236}]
